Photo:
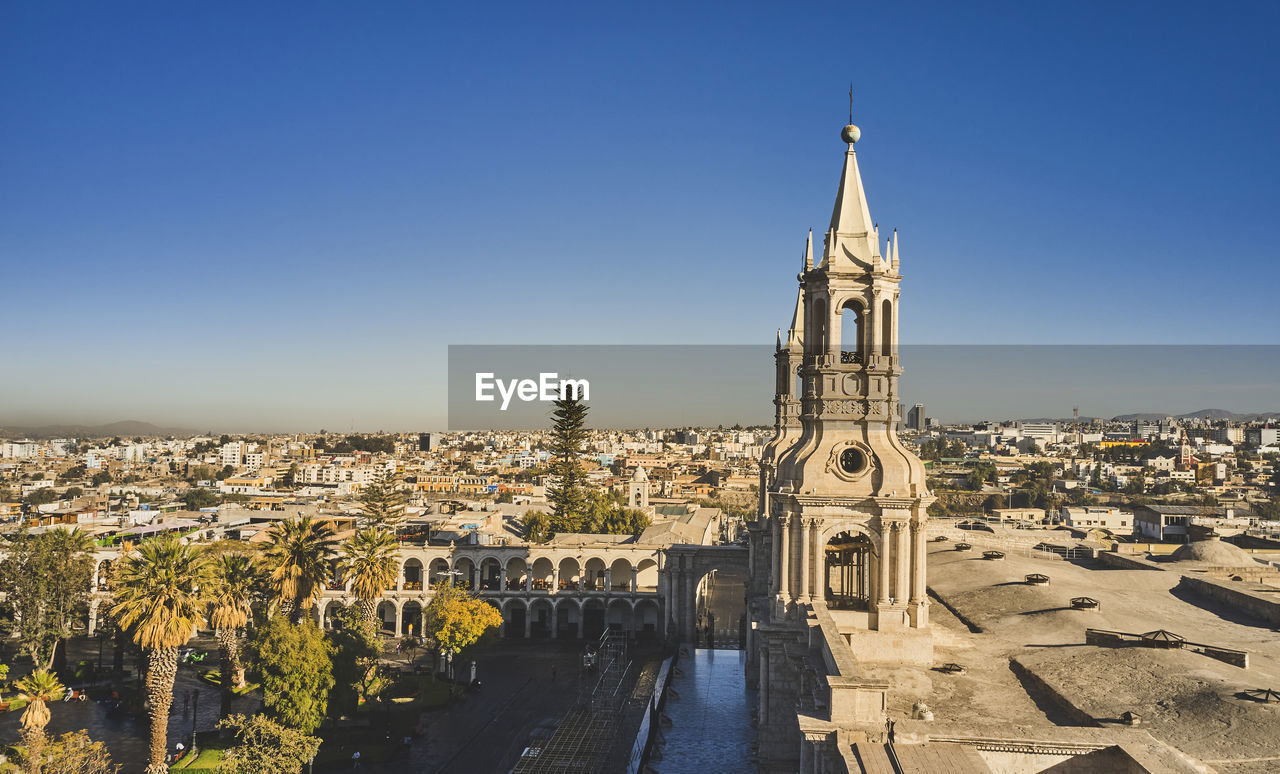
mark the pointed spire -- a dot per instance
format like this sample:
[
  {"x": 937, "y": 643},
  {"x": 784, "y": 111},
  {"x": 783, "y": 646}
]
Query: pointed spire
[
  {"x": 853, "y": 239},
  {"x": 893, "y": 258},
  {"x": 808, "y": 252},
  {"x": 851, "y": 214},
  {"x": 795, "y": 334},
  {"x": 779, "y": 345}
]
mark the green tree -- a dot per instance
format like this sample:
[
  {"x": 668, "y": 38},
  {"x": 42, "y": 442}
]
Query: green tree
[
  {"x": 75, "y": 753},
  {"x": 568, "y": 436},
  {"x": 456, "y": 619},
  {"x": 294, "y": 664},
  {"x": 38, "y": 690},
  {"x": 72, "y": 492},
  {"x": 231, "y": 588},
  {"x": 382, "y": 500},
  {"x": 369, "y": 562},
  {"x": 355, "y": 660},
  {"x": 46, "y": 581},
  {"x": 157, "y": 602},
  {"x": 41, "y": 496},
  {"x": 200, "y": 497},
  {"x": 299, "y": 556},
  {"x": 537, "y": 526},
  {"x": 264, "y": 746},
  {"x": 100, "y": 478}
]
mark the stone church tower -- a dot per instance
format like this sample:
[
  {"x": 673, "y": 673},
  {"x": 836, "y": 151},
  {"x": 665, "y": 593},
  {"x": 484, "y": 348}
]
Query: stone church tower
[
  {"x": 638, "y": 489},
  {"x": 847, "y": 500},
  {"x": 841, "y": 534}
]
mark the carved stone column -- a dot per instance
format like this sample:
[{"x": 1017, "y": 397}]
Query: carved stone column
[
  {"x": 805, "y": 560},
  {"x": 775, "y": 577},
  {"x": 784, "y": 552}
]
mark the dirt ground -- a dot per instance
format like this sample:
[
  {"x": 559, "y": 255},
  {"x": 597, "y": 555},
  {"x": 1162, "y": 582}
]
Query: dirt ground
[{"x": 1186, "y": 700}]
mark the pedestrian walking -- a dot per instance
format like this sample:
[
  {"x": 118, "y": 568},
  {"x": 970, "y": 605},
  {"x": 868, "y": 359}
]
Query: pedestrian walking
[
  {"x": 355, "y": 759},
  {"x": 891, "y": 725}
]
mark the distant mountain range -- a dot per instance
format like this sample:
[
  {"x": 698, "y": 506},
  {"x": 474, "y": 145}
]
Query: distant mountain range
[
  {"x": 1202, "y": 414},
  {"x": 128, "y": 428}
]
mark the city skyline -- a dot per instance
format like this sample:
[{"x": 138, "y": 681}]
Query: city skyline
[{"x": 251, "y": 216}]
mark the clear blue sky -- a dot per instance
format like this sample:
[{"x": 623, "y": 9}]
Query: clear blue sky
[{"x": 234, "y": 215}]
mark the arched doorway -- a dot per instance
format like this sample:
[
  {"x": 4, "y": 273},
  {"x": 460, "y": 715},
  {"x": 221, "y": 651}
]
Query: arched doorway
[
  {"x": 387, "y": 617},
  {"x": 411, "y": 619},
  {"x": 847, "y": 584},
  {"x": 721, "y": 605},
  {"x": 513, "y": 619},
  {"x": 541, "y": 616},
  {"x": 593, "y": 618}
]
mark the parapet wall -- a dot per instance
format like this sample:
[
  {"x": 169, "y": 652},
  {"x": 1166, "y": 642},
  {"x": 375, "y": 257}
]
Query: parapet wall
[{"x": 1230, "y": 593}]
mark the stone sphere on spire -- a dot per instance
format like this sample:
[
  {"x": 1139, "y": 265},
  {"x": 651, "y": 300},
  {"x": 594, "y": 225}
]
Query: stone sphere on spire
[{"x": 850, "y": 134}]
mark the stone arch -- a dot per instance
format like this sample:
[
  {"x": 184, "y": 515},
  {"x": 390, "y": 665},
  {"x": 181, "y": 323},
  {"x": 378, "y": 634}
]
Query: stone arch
[
  {"x": 540, "y": 617},
  {"x": 467, "y": 566},
  {"x": 619, "y": 616},
  {"x": 411, "y": 618},
  {"x": 388, "y": 616},
  {"x": 818, "y": 326},
  {"x": 515, "y": 574},
  {"x": 646, "y": 619},
  {"x": 437, "y": 570},
  {"x": 847, "y": 577},
  {"x": 514, "y": 613},
  {"x": 647, "y": 575},
  {"x": 620, "y": 574},
  {"x": 491, "y": 574},
  {"x": 103, "y": 573},
  {"x": 886, "y": 327},
  {"x": 570, "y": 574},
  {"x": 568, "y": 618},
  {"x": 593, "y": 574},
  {"x": 693, "y": 595},
  {"x": 327, "y": 611},
  {"x": 412, "y": 574},
  {"x": 594, "y": 613},
  {"x": 543, "y": 572},
  {"x": 853, "y": 333},
  {"x": 834, "y": 527}
]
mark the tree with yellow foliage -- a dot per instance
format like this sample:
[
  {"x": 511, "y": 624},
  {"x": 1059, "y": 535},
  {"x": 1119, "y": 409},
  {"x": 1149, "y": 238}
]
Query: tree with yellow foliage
[{"x": 456, "y": 619}]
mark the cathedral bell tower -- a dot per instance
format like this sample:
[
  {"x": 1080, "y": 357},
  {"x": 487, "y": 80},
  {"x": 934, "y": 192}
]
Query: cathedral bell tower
[{"x": 846, "y": 500}]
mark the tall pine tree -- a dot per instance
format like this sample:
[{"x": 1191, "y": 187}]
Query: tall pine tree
[{"x": 568, "y": 435}]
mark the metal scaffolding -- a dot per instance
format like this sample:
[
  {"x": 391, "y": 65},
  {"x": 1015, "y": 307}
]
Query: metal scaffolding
[{"x": 582, "y": 741}]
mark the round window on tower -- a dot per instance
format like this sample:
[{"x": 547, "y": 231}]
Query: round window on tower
[{"x": 852, "y": 460}]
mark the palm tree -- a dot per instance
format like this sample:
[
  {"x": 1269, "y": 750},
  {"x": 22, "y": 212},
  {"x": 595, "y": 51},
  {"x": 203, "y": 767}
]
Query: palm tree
[
  {"x": 158, "y": 603},
  {"x": 300, "y": 552},
  {"x": 37, "y": 690},
  {"x": 231, "y": 592},
  {"x": 369, "y": 562}
]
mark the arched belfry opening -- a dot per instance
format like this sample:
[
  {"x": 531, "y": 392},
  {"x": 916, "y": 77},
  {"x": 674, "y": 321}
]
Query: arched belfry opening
[
  {"x": 848, "y": 574},
  {"x": 852, "y": 343},
  {"x": 886, "y": 328},
  {"x": 818, "y": 326}
]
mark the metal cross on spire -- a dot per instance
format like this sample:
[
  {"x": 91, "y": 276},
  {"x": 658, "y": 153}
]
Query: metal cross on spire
[{"x": 850, "y": 101}]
